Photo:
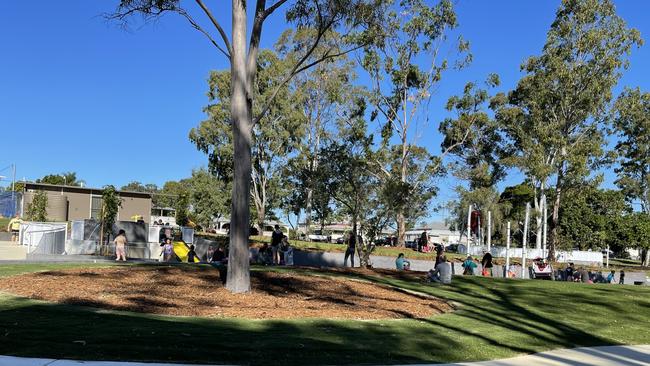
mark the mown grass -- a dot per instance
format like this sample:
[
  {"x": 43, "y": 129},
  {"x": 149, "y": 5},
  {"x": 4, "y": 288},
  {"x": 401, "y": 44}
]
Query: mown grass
[{"x": 495, "y": 319}]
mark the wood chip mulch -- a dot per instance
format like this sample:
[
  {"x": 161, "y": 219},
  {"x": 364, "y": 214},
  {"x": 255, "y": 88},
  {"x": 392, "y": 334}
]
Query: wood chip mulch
[{"x": 197, "y": 291}]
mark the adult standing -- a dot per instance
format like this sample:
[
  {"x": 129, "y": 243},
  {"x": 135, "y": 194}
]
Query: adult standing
[
  {"x": 486, "y": 262},
  {"x": 349, "y": 252},
  {"x": 14, "y": 227},
  {"x": 120, "y": 245},
  {"x": 276, "y": 239}
]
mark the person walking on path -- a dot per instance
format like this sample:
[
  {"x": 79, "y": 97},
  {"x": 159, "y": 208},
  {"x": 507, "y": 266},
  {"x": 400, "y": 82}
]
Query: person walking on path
[
  {"x": 442, "y": 272},
  {"x": 621, "y": 278},
  {"x": 276, "y": 239},
  {"x": 469, "y": 266},
  {"x": 120, "y": 245},
  {"x": 14, "y": 227},
  {"x": 349, "y": 252},
  {"x": 486, "y": 262}
]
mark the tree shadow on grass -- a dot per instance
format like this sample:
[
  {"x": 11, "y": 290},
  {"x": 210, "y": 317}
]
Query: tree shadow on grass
[{"x": 56, "y": 331}]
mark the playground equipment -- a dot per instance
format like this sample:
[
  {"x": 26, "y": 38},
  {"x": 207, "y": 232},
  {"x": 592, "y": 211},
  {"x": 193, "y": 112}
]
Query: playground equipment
[
  {"x": 181, "y": 249},
  {"x": 541, "y": 269}
]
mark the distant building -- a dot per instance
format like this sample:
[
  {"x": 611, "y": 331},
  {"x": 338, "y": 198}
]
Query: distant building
[
  {"x": 222, "y": 226},
  {"x": 68, "y": 203},
  {"x": 438, "y": 232}
]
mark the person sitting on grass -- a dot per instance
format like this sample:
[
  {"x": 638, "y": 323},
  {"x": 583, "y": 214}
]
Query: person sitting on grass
[
  {"x": 191, "y": 255},
  {"x": 401, "y": 263},
  {"x": 442, "y": 272},
  {"x": 469, "y": 266}
]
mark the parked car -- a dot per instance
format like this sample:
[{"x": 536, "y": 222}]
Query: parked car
[
  {"x": 412, "y": 244},
  {"x": 340, "y": 240},
  {"x": 318, "y": 236},
  {"x": 452, "y": 248}
]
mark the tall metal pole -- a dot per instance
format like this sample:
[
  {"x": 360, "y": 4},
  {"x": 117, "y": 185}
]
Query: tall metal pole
[
  {"x": 469, "y": 227},
  {"x": 13, "y": 186},
  {"x": 608, "y": 256},
  {"x": 489, "y": 231},
  {"x": 507, "y": 250},
  {"x": 479, "y": 232},
  {"x": 544, "y": 226},
  {"x": 524, "y": 242}
]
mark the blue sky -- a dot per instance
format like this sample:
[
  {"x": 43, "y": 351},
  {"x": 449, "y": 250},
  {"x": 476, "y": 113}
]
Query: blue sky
[{"x": 79, "y": 94}]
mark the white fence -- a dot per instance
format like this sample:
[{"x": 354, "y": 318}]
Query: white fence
[
  {"x": 44, "y": 237},
  {"x": 531, "y": 253}
]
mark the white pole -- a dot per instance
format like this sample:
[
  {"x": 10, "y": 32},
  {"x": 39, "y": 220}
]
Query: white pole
[
  {"x": 608, "y": 256},
  {"x": 13, "y": 188},
  {"x": 489, "y": 231},
  {"x": 523, "y": 249},
  {"x": 544, "y": 226},
  {"x": 507, "y": 250},
  {"x": 479, "y": 235},
  {"x": 469, "y": 227}
]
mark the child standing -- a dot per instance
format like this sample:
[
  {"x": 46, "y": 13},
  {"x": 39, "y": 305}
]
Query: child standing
[
  {"x": 168, "y": 250},
  {"x": 191, "y": 255}
]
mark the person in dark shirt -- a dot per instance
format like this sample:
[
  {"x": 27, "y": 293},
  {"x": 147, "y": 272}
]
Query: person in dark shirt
[
  {"x": 276, "y": 239},
  {"x": 218, "y": 255},
  {"x": 486, "y": 262},
  {"x": 621, "y": 278},
  {"x": 191, "y": 255},
  {"x": 349, "y": 252}
]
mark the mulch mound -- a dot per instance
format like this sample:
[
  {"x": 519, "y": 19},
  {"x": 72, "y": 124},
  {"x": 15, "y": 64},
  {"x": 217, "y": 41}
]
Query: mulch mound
[{"x": 197, "y": 291}]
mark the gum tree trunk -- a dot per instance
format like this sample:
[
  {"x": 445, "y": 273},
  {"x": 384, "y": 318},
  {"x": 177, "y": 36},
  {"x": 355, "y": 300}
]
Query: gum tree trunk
[{"x": 238, "y": 258}]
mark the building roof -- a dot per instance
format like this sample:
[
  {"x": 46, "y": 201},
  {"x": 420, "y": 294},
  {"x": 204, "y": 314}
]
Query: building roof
[{"x": 76, "y": 189}]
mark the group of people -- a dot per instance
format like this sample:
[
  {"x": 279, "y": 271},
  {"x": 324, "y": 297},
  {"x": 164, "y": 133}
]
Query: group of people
[
  {"x": 279, "y": 252},
  {"x": 571, "y": 274}
]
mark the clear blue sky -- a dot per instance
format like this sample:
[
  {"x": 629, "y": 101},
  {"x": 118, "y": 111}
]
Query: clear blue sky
[{"x": 79, "y": 94}]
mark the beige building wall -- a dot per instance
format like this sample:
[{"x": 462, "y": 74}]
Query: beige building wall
[
  {"x": 75, "y": 203},
  {"x": 132, "y": 206},
  {"x": 78, "y": 206}
]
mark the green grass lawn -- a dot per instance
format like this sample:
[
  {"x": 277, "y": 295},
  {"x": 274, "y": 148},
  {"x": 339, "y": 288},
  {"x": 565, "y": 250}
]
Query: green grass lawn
[{"x": 494, "y": 319}]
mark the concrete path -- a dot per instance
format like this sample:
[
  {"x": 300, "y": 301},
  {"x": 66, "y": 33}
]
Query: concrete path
[{"x": 593, "y": 356}]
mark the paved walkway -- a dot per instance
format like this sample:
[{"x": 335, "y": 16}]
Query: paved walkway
[{"x": 594, "y": 356}]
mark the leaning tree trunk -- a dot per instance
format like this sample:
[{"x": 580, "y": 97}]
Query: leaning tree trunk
[
  {"x": 555, "y": 222},
  {"x": 645, "y": 257},
  {"x": 401, "y": 230},
  {"x": 240, "y": 109}
]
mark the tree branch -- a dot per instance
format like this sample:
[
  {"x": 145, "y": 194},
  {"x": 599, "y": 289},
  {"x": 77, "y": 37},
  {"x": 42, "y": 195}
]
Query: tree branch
[
  {"x": 216, "y": 24},
  {"x": 273, "y": 8},
  {"x": 196, "y": 26}
]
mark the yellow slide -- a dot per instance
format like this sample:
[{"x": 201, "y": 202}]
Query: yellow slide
[{"x": 181, "y": 249}]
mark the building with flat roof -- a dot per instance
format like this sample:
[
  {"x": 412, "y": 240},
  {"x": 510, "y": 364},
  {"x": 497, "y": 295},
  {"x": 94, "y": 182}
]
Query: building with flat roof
[{"x": 69, "y": 203}]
